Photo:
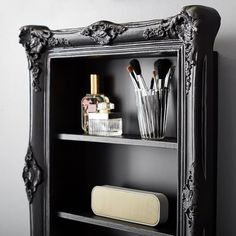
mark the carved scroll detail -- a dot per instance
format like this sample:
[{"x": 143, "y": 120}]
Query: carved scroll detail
[
  {"x": 103, "y": 32},
  {"x": 53, "y": 42},
  {"x": 36, "y": 39},
  {"x": 184, "y": 27},
  {"x": 32, "y": 175},
  {"x": 189, "y": 197}
]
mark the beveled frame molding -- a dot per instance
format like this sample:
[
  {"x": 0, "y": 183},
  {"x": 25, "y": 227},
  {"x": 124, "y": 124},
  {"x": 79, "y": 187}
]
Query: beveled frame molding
[{"x": 192, "y": 33}]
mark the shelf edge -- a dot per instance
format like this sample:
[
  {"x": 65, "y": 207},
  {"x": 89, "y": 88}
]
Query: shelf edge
[
  {"x": 118, "y": 140},
  {"x": 113, "y": 224}
]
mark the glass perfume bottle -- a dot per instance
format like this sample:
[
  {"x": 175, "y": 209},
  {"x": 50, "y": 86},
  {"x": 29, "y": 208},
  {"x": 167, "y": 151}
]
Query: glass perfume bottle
[
  {"x": 105, "y": 122},
  {"x": 90, "y": 101}
]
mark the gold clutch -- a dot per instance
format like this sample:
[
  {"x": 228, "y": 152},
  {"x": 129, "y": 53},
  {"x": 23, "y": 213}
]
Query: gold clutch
[{"x": 130, "y": 205}]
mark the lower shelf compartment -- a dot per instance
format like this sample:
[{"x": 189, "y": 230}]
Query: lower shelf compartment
[{"x": 90, "y": 218}]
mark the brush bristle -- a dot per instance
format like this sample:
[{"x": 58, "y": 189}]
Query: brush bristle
[
  {"x": 136, "y": 66},
  {"x": 129, "y": 69},
  {"x": 162, "y": 66}
]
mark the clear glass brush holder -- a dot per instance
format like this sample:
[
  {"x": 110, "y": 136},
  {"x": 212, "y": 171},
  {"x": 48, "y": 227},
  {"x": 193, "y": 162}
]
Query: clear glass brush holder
[{"x": 152, "y": 107}]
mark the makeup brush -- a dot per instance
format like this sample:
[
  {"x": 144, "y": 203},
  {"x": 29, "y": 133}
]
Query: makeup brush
[
  {"x": 168, "y": 77},
  {"x": 133, "y": 78},
  {"x": 137, "y": 69},
  {"x": 162, "y": 66}
]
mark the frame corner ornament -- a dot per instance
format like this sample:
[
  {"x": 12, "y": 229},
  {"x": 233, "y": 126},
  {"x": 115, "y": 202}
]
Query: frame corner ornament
[
  {"x": 189, "y": 197},
  {"x": 183, "y": 27},
  {"x": 103, "y": 32},
  {"x": 36, "y": 40},
  {"x": 32, "y": 175}
]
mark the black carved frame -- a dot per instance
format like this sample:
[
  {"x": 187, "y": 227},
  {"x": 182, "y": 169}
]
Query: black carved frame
[{"x": 191, "y": 33}]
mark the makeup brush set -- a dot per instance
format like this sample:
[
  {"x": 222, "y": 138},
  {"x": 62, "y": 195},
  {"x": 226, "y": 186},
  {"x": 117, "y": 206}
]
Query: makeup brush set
[{"x": 152, "y": 100}]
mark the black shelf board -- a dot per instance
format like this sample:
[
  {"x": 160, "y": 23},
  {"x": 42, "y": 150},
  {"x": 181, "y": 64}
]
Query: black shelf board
[
  {"x": 90, "y": 218},
  {"x": 169, "y": 143}
]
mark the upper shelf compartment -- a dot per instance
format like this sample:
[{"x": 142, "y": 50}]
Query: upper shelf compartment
[{"x": 73, "y": 74}]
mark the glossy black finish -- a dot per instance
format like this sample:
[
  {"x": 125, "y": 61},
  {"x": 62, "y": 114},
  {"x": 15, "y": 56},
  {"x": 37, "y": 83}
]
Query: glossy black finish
[
  {"x": 169, "y": 143},
  {"x": 60, "y": 62},
  {"x": 119, "y": 225}
]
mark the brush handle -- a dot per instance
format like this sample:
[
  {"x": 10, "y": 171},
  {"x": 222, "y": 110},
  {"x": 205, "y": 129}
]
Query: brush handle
[
  {"x": 155, "y": 85},
  {"x": 169, "y": 76},
  {"x": 141, "y": 82},
  {"x": 152, "y": 83},
  {"x": 159, "y": 83},
  {"x": 134, "y": 81}
]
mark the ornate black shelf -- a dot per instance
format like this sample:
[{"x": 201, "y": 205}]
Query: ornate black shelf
[
  {"x": 124, "y": 140},
  {"x": 89, "y": 218},
  {"x": 59, "y": 63}
]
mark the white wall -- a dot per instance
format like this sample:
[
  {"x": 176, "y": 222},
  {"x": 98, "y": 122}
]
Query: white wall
[{"x": 14, "y": 95}]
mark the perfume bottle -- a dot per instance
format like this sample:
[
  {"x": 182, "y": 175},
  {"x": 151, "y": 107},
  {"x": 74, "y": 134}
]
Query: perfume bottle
[
  {"x": 90, "y": 101},
  {"x": 105, "y": 122}
]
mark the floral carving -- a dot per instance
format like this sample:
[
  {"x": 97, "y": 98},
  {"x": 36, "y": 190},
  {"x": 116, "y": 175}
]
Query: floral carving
[
  {"x": 31, "y": 174},
  {"x": 184, "y": 27},
  {"x": 36, "y": 39},
  {"x": 189, "y": 196},
  {"x": 103, "y": 32},
  {"x": 53, "y": 42}
]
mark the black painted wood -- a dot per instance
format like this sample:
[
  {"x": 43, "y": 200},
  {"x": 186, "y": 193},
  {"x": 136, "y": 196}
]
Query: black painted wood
[
  {"x": 125, "y": 140},
  {"x": 59, "y": 63},
  {"x": 119, "y": 225}
]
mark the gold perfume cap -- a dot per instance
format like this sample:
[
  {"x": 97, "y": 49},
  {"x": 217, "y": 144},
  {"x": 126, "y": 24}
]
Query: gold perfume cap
[{"x": 94, "y": 84}]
